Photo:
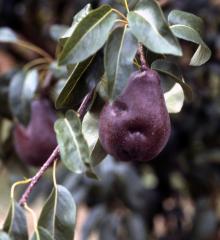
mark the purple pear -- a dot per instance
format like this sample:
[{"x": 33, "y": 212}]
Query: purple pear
[
  {"x": 35, "y": 143},
  {"x": 136, "y": 126}
]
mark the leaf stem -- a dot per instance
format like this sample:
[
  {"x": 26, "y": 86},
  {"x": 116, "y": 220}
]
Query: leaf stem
[
  {"x": 144, "y": 64},
  {"x": 126, "y": 6},
  {"x": 56, "y": 153},
  {"x": 34, "y": 63},
  {"x": 34, "y": 48},
  {"x": 120, "y": 14}
]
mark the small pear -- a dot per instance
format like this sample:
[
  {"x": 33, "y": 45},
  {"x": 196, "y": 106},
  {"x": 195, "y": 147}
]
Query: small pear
[
  {"x": 136, "y": 126},
  {"x": 35, "y": 143}
]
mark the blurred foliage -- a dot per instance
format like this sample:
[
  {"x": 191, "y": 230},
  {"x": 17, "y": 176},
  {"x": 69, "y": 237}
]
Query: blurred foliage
[{"x": 176, "y": 196}]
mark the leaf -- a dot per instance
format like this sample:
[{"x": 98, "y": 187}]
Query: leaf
[
  {"x": 4, "y": 93},
  {"x": 15, "y": 224},
  {"x": 170, "y": 69},
  {"x": 149, "y": 26},
  {"x": 65, "y": 97},
  {"x": 7, "y": 35},
  {"x": 58, "y": 215},
  {"x": 43, "y": 235},
  {"x": 185, "y": 18},
  {"x": 174, "y": 99},
  {"x": 89, "y": 36},
  {"x": 57, "y": 31},
  {"x": 98, "y": 154},
  {"x": 76, "y": 20},
  {"x": 74, "y": 149},
  {"x": 120, "y": 52},
  {"x": 4, "y": 236},
  {"x": 21, "y": 91},
  {"x": 203, "y": 53},
  {"x": 91, "y": 132}
]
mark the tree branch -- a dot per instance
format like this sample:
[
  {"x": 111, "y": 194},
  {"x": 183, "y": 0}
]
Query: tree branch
[{"x": 55, "y": 154}]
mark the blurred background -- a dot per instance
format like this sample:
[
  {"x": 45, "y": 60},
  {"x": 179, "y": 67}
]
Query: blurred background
[{"x": 174, "y": 197}]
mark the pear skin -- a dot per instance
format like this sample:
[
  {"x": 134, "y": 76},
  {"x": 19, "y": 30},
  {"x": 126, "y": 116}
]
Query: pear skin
[{"x": 136, "y": 126}]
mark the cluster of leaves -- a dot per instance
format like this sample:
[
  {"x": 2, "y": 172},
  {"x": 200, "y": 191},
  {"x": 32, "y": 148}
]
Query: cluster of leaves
[{"x": 87, "y": 66}]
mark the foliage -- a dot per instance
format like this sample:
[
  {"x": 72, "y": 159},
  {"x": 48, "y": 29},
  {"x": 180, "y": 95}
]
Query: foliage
[{"x": 97, "y": 53}]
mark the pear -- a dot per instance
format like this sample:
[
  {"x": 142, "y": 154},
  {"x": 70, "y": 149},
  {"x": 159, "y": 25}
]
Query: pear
[
  {"x": 136, "y": 126},
  {"x": 35, "y": 143}
]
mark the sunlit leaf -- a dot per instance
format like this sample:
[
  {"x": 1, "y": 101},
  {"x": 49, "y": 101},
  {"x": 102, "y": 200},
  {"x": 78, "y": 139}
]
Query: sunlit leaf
[
  {"x": 149, "y": 26},
  {"x": 74, "y": 149},
  {"x": 76, "y": 20},
  {"x": 15, "y": 224},
  {"x": 203, "y": 53},
  {"x": 172, "y": 70},
  {"x": 4, "y": 236},
  {"x": 89, "y": 36},
  {"x": 22, "y": 90},
  {"x": 91, "y": 133},
  {"x": 120, "y": 52},
  {"x": 187, "y": 19},
  {"x": 174, "y": 99},
  {"x": 58, "y": 215},
  {"x": 7, "y": 35}
]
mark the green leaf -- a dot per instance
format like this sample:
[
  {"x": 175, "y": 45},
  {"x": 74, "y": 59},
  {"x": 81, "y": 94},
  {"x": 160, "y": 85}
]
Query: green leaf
[
  {"x": 76, "y": 20},
  {"x": 203, "y": 53},
  {"x": 4, "y": 236},
  {"x": 91, "y": 132},
  {"x": 120, "y": 52},
  {"x": 7, "y": 35},
  {"x": 58, "y": 215},
  {"x": 21, "y": 91},
  {"x": 65, "y": 97},
  {"x": 43, "y": 234},
  {"x": 98, "y": 154},
  {"x": 174, "y": 99},
  {"x": 15, "y": 224},
  {"x": 89, "y": 36},
  {"x": 149, "y": 26},
  {"x": 74, "y": 149},
  {"x": 170, "y": 69},
  {"x": 187, "y": 19}
]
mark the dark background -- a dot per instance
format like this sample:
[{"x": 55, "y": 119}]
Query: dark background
[{"x": 176, "y": 196}]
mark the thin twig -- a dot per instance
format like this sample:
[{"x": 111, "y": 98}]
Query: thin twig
[
  {"x": 56, "y": 153},
  {"x": 35, "y": 179},
  {"x": 144, "y": 64}
]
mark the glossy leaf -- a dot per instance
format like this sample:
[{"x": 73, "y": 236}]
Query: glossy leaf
[
  {"x": 120, "y": 52},
  {"x": 203, "y": 53},
  {"x": 149, "y": 26},
  {"x": 15, "y": 224},
  {"x": 22, "y": 90},
  {"x": 7, "y": 35},
  {"x": 174, "y": 99},
  {"x": 76, "y": 20},
  {"x": 43, "y": 234},
  {"x": 4, "y": 236},
  {"x": 65, "y": 97},
  {"x": 91, "y": 133},
  {"x": 89, "y": 36},
  {"x": 74, "y": 149},
  {"x": 58, "y": 215},
  {"x": 187, "y": 19},
  {"x": 170, "y": 69}
]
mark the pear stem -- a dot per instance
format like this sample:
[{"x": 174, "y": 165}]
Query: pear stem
[
  {"x": 55, "y": 155},
  {"x": 144, "y": 63}
]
